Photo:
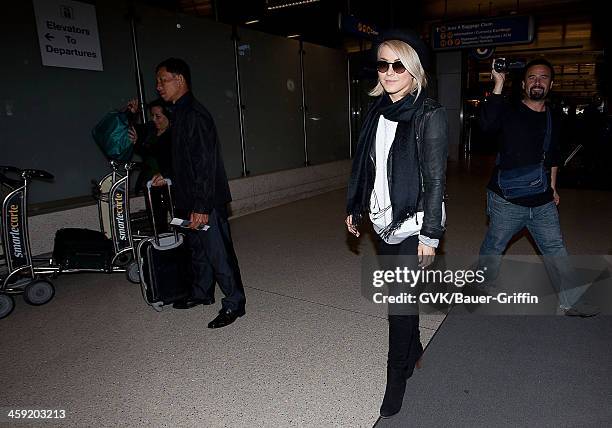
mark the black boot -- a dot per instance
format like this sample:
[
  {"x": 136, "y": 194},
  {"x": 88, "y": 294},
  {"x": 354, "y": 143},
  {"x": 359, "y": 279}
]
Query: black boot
[
  {"x": 405, "y": 349},
  {"x": 394, "y": 393}
]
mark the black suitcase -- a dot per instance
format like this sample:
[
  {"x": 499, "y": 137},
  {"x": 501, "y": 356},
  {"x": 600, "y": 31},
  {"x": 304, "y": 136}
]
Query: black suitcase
[
  {"x": 164, "y": 263},
  {"x": 82, "y": 249}
]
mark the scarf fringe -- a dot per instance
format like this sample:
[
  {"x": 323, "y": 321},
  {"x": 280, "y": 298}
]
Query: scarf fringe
[
  {"x": 357, "y": 217},
  {"x": 396, "y": 224}
]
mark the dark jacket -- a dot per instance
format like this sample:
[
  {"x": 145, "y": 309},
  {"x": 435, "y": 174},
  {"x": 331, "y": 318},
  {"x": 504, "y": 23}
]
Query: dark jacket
[
  {"x": 431, "y": 133},
  {"x": 432, "y": 143},
  {"x": 520, "y": 132},
  {"x": 200, "y": 182},
  {"x": 156, "y": 150}
]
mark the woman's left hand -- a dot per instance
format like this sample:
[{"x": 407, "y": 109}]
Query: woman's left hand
[{"x": 426, "y": 255}]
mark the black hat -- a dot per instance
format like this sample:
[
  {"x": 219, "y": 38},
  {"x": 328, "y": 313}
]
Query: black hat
[{"x": 406, "y": 36}]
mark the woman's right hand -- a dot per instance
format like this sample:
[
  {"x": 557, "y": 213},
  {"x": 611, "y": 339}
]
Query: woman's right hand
[
  {"x": 158, "y": 180},
  {"x": 350, "y": 226},
  {"x": 132, "y": 135},
  {"x": 132, "y": 105}
]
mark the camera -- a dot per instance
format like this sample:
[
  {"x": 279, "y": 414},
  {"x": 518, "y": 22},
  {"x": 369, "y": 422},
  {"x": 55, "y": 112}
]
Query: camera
[{"x": 502, "y": 65}]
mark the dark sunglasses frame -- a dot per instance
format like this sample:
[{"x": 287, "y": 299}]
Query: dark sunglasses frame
[{"x": 383, "y": 66}]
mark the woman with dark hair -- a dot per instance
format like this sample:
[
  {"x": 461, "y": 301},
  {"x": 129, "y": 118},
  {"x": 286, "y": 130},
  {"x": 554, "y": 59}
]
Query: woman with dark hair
[
  {"x": 153, "y": 142},
  {"x": 398, "y": 178}
]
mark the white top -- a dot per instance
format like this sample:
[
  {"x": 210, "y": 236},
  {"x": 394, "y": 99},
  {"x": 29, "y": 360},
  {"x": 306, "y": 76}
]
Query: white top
[{"x": 381, "y": 211}]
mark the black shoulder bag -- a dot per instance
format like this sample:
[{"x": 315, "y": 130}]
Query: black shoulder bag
[{"x": 526, "y": 180}]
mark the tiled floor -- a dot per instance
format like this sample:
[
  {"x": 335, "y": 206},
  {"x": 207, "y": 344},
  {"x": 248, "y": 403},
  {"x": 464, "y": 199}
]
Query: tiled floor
[{"x": 311, "y": 350}]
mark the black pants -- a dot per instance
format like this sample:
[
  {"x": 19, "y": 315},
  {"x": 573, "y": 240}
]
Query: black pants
[
  {"x": 405, "y": 346},
  {"x": 214, "y": 260}
]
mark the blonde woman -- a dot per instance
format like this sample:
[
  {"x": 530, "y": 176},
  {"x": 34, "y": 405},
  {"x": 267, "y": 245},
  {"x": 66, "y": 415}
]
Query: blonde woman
[{"x": 398, "y": 178}]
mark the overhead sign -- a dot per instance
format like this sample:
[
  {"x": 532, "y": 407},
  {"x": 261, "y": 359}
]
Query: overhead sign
[
  {"x": 488, "y": 32},
  {"x": 68, "y": 34},
  {"x": 353, "y": 25}
]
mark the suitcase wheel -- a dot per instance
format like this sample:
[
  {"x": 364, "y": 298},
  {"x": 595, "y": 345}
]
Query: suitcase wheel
[
  {"x": 123, "y": 260},
  {"x": 132, "y": 273},
  {"x": 7, "y": 304}
]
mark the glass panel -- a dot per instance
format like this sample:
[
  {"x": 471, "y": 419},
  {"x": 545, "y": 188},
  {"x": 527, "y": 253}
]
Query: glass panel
[
  {"x": 327, "y": 104},
  {"x": 270, "y": 78},
  {"x": 208, "y": 48}
]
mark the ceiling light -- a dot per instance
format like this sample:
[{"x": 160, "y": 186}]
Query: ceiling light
[
  {"x": 283, "y": 3},
  {"x": 293, "y": 36},
  {"x": 254, "y": 21}
]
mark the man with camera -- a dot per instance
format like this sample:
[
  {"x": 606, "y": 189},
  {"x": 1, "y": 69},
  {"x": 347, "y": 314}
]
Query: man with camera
[{"x": 522, "y": 189}]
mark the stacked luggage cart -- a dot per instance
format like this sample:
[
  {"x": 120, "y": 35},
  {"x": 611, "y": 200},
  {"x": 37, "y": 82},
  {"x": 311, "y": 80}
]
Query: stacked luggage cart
[
  {"x": 17, "y": 272},
  {"x": 109, "y": 250}
]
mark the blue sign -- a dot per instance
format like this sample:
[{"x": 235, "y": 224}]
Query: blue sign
[
  {"x": 509, "y": 30},
  {"x": 353, "y": 25}
]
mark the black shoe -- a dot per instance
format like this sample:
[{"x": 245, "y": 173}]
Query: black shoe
[
  {"x": 583, "y": 310},
  {"x": 394, "y": 393},
  {"x": 190, "y": 303},
  {"x": 225, "y": 317}
]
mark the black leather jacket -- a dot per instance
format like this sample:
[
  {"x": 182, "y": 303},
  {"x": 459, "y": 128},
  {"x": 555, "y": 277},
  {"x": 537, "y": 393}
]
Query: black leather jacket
[{"x": 432, "y": 142}]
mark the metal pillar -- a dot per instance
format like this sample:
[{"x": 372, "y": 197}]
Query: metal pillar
[
  {"x": 241, "y": 107},
  {"x": 350, "y": 107},
  {"x": 304, "y": 107},
  {"x": 139, "y": 84}
]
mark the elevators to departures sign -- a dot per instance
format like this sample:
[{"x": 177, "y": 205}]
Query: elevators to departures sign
[
  {"x": 485, "y": 32},
  {"x": 68, "y": 34}
]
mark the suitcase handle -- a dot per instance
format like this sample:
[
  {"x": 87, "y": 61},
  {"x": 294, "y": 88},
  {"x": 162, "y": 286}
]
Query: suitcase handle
[
  {"x": 167, "y": 186},
  {"x": 150, "y": 183}
]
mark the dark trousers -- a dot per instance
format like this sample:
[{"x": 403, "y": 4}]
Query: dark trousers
[
  {"x": 213, "y": 260},
  {"x": 405, "y": 346}
]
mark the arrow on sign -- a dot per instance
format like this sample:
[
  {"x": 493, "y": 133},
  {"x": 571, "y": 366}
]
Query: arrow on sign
[{"x": 49, "y": 37}]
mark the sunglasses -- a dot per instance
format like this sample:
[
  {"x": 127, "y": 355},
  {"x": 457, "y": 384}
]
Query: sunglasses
[{"x": 383, "y": 66}]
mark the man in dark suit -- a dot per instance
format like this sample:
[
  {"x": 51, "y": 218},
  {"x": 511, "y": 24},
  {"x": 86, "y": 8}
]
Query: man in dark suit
[{"x": 201, "y": 195}]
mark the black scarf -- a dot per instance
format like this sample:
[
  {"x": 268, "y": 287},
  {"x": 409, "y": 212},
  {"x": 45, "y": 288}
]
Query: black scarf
[{"x": 402, "y": 166}]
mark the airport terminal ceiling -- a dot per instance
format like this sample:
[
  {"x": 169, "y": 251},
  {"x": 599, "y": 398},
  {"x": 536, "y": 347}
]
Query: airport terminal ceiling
[{"x": 568, "y": 32}]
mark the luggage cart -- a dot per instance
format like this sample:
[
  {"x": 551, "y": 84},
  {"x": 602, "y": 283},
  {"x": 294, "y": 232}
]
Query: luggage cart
[
  {"x": 17, "y": 273},
  {"x": 100, "y": 193},
  {"x": 114, "y": 217}
]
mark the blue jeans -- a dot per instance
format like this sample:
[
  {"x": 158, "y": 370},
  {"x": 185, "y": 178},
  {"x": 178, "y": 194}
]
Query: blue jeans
[{"x": 507, "y": 219}]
